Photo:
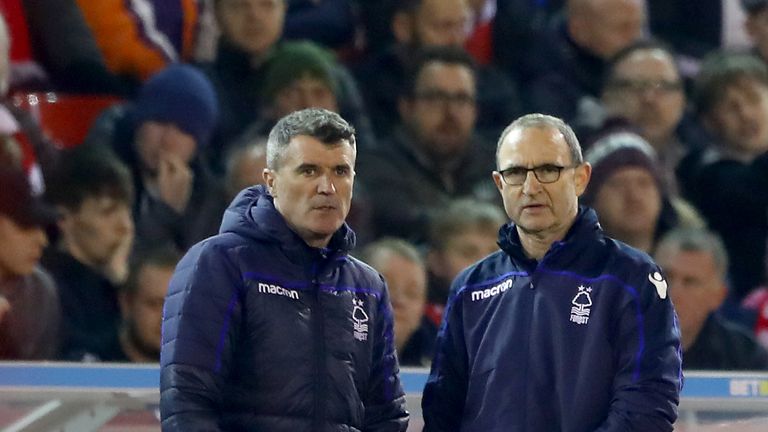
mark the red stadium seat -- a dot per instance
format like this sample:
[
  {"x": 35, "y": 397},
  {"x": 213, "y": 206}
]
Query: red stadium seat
[{"x": 65, "y": 118}]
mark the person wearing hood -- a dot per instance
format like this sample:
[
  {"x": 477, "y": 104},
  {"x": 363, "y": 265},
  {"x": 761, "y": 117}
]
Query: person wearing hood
[
  {"x": 271, "y": 324},
  {"x": 161, "y": 136}
]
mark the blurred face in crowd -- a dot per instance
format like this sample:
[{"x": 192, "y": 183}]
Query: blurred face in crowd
[
  {"x": 312, "y": 187},
  {"x": 462, "y": 249},
  {"x": 251, "y": 25},
  {"x": 756, "y": 26},
  {"x": 306, "y": 92},
  {"x": 740, "y": 117},
  {"x": 441, "y": 23},
  {"x": 696, "y": 287},
  {"x": 94, "y": 232},
  {"x": 246, "y": 169},
  {"x": 142, "y": 310},
  {"x": 542, "y": 210},
  {"x": 160, "y": 141},
  {"x": 442, "y": 112},
  {"x": 22, "y": 247},
  {"x": 605, "y": 27},
  {"x": 646, "y": 90},
  {"x": 407, "y": 283},
  {"x": 628, "y": 204}
]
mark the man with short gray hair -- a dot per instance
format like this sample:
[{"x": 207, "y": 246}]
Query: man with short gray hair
[
  {"x": 271, "y": 325},
  {"x": 564, "y": 328}
]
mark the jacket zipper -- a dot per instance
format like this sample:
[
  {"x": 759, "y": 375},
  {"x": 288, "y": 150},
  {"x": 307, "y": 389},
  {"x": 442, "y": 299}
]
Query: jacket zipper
[{"x": 319, "y": 337}]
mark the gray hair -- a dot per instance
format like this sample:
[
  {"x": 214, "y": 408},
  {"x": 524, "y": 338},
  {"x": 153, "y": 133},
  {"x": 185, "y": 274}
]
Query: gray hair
[
  {"x": 543, "y": 121},
  {"x": 324, "y": 125},
  {"x": 372, "y": 254},
  {"x": 697, "y": 240},
  {"x": 461, "y": 216}
]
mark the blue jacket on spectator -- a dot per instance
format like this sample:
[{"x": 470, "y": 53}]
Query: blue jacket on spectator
[
  {"x": 263, "y": 332},
  {"x": 584, "y": 340}
]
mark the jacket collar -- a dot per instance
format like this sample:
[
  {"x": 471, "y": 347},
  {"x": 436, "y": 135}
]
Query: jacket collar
[{"x": 585, "y": 228}]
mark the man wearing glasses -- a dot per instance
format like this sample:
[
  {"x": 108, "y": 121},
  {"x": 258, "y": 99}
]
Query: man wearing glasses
[{"x": 564, "y": 328}]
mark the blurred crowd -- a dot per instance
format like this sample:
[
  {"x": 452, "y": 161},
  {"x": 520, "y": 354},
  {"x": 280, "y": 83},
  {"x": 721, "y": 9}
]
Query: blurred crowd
[{"x": 672, "y": 113}]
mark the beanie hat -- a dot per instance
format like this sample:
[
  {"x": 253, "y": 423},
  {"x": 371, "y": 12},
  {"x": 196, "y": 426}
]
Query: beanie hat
[
  {"x": 293, "y": 61},
  {"x": 616, "y": 150},
  {"x": 182, "y": 95}
]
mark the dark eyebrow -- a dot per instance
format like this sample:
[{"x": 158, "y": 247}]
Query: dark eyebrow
[{"x": 305, "y": 166}]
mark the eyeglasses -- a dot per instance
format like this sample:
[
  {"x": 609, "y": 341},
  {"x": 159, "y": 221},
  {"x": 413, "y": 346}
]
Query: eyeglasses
[
  {"x": 547, "y": 173},
  {"x": 642, "y": 86},
  {"x": 435, "y": 97}
]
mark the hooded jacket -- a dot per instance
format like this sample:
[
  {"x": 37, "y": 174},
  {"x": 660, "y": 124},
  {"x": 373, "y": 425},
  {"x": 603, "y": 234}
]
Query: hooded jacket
[
  {"x": 262, "y": 332},
  {"x": 584, "y": 340}
]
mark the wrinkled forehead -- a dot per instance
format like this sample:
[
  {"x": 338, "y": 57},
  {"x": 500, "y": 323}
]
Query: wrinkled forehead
[
  {"x": 532, "y": 146},
  {"x": 305, "y": 149}
]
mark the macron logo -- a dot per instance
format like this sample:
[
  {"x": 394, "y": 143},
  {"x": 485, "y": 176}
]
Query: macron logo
[
  {"x": 278, "y": 290},
  {"x": 490, "y": 292}
]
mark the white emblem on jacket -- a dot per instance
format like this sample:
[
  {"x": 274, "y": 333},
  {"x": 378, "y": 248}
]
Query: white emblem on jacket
[
  {"x": 581, "y": 303},
  {"x": 361, "y": 319},
  {"x": 658, "y": 281}
]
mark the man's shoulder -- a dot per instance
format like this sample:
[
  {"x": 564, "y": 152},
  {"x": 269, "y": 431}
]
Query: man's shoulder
[
  {"x": 494, "y": 268},
  {"x": 363, "y": 273}
]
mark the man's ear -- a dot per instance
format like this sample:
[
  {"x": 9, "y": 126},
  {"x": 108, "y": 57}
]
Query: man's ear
[
  {"x": 582, "y": 174},
  {"x": 269, "y": 179},
  {"x": 498, "y": 180},
  {"x": 402, "y": 27}
]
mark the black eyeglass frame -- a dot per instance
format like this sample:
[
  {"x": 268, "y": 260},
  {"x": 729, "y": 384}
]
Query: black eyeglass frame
[{"x": 537, "y": 172}]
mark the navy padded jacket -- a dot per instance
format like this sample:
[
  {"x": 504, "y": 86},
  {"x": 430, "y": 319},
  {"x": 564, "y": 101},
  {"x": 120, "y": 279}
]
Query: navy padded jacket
[
  {"x": 584, "y": 340},
  {"x": 263, "y": 333}
]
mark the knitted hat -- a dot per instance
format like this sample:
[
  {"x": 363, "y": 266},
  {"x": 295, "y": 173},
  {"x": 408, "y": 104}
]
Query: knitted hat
[
  {"x": 295, "y": 60},
  {"x": 616, "y": 150},
  {"x": 752, "y": 6},
  {"x": 182, "y": 95},
  {"x": 20, "y": 203}
]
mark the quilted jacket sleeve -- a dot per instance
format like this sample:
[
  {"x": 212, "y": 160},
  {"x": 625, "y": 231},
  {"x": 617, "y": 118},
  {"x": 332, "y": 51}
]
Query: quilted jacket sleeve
[
  {"x": 446, "y": 388},
  {"x": 200, "y": 318},
  {"x": 648, "y": 382},
  {"x": 385, "y": 402}
]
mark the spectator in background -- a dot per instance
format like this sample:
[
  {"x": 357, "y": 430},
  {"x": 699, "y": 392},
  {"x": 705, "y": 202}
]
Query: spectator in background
[
  {"x": 250, "y": 30},
  {"x": 464, "y": 232},
  {"x": 756, "y": 26},
  {"x": 580, "y": 46},
  {"x": 161, "y": 137},
  {"x": 331, "y": 23},
  {"x": 110, "y": 46},
  {"x": 404, "y": 272},
  {"x": 93, "y": 192},
  {"x": 29, "y": 305},
  {"x": 695, "y": 263},
  {"x": 629, "y": 194},
  {"x": 141, "y": 305},
  {"x": 301, "y": 75},
  {"x": 728, "y": 182},
  {"x": 643, "y": 86},
  {"x": 434, "y": 155},
  {"x": 426, "y": 24},
  {"x": 245, "y": 164}
]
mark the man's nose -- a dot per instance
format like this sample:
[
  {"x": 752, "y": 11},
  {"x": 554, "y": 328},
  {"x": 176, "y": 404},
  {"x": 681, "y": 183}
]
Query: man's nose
[
  {"x": 531, "y": 185},
  {"x": 326, "y": 185}
]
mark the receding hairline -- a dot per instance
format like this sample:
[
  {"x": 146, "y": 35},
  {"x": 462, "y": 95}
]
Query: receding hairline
[{"x": 544, "y": 122}]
